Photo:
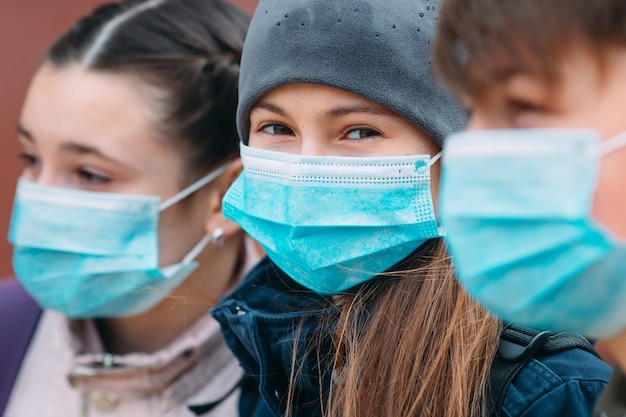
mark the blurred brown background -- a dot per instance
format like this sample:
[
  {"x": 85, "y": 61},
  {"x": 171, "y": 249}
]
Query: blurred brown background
[{"x": 27, "y": 27}]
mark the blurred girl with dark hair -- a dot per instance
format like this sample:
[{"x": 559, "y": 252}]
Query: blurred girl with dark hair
[{"x": 129, "y": 143}]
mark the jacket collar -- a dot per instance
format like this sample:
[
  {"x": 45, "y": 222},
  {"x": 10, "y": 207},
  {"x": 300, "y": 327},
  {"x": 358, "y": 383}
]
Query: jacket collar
[{"x": 269, "y": 321}]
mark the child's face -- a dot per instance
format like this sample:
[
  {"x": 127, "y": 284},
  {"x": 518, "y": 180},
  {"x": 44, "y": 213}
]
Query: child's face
[
  {"x": 588, "y": 96},
  {"x": 95, "y": 131},
  {"x": 316, "y": 120}
]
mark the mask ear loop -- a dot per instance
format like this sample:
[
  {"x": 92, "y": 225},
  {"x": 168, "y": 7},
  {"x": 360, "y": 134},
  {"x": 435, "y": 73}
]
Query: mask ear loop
[
  {"x": 433, "y": 161},
  {"x": 193, "y": 254},
  {"x": 193, "y": 187},
  {"x": 613, "y": 144},
  {"x": 435, "y": 158}
]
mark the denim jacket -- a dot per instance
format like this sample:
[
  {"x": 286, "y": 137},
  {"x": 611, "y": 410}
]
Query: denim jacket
[{"x": 269, "y": 316}]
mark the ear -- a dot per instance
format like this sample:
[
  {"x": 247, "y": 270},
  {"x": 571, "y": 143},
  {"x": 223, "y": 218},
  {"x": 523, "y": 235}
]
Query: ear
[{"x": 215, "y": 218}]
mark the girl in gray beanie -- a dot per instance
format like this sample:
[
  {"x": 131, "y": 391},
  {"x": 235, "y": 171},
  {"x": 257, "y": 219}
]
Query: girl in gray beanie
[{"x": 357, "y": 311}]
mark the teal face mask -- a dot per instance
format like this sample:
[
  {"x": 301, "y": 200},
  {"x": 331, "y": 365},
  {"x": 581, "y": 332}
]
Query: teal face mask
[
  {"x": 516, "y": 205},
  {"x": 333, "y": 222},
  {"x": 93, "y": 254}
]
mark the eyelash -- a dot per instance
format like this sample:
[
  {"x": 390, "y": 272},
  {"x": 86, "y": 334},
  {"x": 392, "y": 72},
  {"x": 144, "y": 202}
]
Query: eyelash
[
  {"x": 28, "y": 159},
  {"x": 265, "y": 126},
  {"x": 519, "y": 106},
  {"x": 374, "y": 133},
  {"x": 92, "y": 177},
  {"x": 31, "y": 161}
]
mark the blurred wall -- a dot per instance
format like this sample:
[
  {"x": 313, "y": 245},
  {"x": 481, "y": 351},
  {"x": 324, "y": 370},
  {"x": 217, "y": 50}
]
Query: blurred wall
[{"x": 27, "y": 27}]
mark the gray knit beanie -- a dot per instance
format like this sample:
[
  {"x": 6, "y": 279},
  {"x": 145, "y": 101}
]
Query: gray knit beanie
[{"x": 378, "y": 49}]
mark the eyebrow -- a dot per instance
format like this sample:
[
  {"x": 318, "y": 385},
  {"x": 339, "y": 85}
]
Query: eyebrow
[
  {"x": 363, "y": 108},
  {"x": 69, "y": 147},
  {"x": 334, "y": 113},
  {"x": 269, "y": 107},
  {"x": 78, "y": 149},
  {"x": 24, "y": 133}
]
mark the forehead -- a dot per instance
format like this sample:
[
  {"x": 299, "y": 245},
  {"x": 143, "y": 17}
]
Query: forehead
[
  {"x": 72, "y": 98},
  {"x": 111, "y": 112},
  {"x": 488, "y": 72}
]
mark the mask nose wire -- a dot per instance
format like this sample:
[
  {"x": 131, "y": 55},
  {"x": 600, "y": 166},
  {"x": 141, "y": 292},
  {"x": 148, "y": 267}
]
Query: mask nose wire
[
  {"x": 193, "y": 188},
  {"x": 613, "y": 144}
]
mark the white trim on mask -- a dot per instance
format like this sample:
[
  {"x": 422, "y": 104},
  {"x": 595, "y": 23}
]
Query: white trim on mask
[{"x": 505, "y": 142}]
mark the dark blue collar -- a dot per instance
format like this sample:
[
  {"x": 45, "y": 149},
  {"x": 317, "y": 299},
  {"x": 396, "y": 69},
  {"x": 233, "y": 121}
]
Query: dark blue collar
[{"x": 264, "y": 320}]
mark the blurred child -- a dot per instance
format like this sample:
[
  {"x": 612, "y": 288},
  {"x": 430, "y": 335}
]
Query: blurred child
[
  {"x": 534, "y": 194},
  {"x": 358, "y": 312},
  {"x": 129, "y": 144}
]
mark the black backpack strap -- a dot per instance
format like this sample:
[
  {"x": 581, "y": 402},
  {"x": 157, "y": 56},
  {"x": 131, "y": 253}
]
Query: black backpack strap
[
  {"x": 19, "y": 315},
  {"x": 243, "y": 383},
  {"x": 517, "y": 345}
]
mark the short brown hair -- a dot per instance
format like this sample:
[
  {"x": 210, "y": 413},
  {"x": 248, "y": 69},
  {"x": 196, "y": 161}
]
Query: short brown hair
[{"x": 520, "y": 35}]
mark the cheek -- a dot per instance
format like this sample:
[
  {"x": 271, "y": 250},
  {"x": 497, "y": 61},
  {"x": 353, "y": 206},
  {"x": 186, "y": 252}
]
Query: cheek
[
  {"x": 609, "y": 203},
  {"x": 170, "y": 232},
  {"x": 253, "y": 140},
  {"x": 180, "y": 229}
]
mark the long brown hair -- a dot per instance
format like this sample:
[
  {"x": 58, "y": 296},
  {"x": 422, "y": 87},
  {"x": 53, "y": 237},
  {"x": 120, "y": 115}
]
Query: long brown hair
[{"x": 412, "y": 343}]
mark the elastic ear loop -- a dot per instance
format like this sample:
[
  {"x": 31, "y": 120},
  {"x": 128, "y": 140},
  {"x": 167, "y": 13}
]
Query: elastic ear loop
[
  {"x": 193, "y": 254},
  {"x": 433, "y": 161},
  {"x": 193, "y": 187},
  {"x": 435, "y": 158},
  {"x": 613, "y": 144}
]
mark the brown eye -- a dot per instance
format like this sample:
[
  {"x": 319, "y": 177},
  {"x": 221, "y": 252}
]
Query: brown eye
[
  {"x": 276, "y": 129},
  {"x": 29, "y": 159},
  {"x": 362, "y": 133},
  {"x": 519, "y": 106},
  {"x": 92, "y": 177}
]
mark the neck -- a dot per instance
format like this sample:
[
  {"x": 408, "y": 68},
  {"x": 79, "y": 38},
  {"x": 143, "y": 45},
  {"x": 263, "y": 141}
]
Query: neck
[{"x": 158, "y": 327}]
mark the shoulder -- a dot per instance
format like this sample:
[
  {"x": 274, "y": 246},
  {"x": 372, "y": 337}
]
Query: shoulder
[
  {"x": 566, "y": 383},
  {"x": 13, "y": 295},
  {"x": 15, "y": 302}
]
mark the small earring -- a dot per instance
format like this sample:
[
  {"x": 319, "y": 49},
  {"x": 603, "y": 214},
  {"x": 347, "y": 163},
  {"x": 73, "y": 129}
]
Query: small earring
[{"x": 217, "y": 238}]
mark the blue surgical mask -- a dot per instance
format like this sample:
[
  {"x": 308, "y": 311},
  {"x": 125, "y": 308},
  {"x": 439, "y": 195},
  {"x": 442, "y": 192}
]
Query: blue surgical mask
[
  {"x": 93, "y": 254},
  {"x": 517, "y": 207},
  {"x": 333, "y": 222}
]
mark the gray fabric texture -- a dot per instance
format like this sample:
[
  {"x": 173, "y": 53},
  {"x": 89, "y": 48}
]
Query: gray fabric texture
[{"x": 378, "y": 49}]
